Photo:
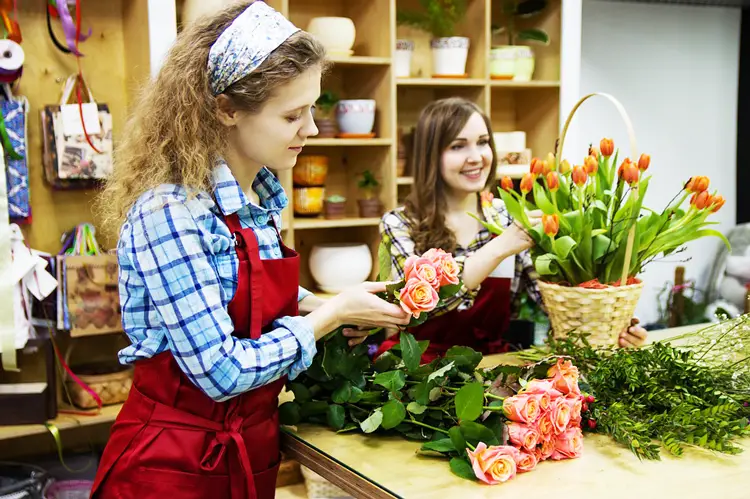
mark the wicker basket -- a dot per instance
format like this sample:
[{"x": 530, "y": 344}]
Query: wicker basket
[
  {"x": 602, "y": 313},
  {"x": 111, "y": 382}
]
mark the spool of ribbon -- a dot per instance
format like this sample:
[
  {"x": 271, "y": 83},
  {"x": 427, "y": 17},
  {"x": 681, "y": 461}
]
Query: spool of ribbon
[{"x": 11, "y": 61}]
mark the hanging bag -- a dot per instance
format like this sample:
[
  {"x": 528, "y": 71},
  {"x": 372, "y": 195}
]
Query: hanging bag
[{"x": 14, "y": 134}]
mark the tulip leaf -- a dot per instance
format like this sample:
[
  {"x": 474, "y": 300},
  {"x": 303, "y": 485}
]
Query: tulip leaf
[
  {"x": 514, "y": 209},
  {"x": 563, "y": 246},
  {"x": 541, "y": 199},
  {"x": 599, "y": 205},
  {"x": 602, "y": 245},
  {"x": 491, "y": 227},
  {"x": 469, "y": 401},
  {"x": 533, "y": 35},
  {"x": 547, "y": 264}
]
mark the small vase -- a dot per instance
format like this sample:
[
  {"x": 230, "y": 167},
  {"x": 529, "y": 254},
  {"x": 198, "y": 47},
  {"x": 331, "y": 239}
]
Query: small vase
[
  {"x": 449, "y": 56},
  {"x": 503, "y": 62},
  {"x": 310, "y": 171},
  {"x": 524, "y": 66},
  {"x": 308, "y": 201},
  {"x": 337, "y": 34},
  {"x": 334, "y": 210},
  {"x": 337, "y": 266},
  {"x": 327, "y": 128},
  {"x": 370, "y": 208},
  {"x": 404, "y": 52},
  {"x": 356, "y": 116}
]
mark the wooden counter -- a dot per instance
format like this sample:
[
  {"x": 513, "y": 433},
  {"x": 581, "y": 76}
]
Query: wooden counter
[{"x": 387, "y": 467}]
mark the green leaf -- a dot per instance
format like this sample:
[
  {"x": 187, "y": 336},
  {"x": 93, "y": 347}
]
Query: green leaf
[
  {"x": 289, "y": 413},
  {"x": 393, "y": 414},
  {"x": 395, "y": 288},
  {"x": 356, "y": 395},
  {"x": 442, "y": 445},
  {"x": 462, "y": 468},
  {"x": 476, "y": 432},
  {"x": 416, "y": 408},
  {"x": 336, "y": 416},
  {"x": 410, "y": 351},
  {"x": 420, "y": 393},
  {"x": 314, "y": 408},
  {"x": 435, "y": 394},
  {"x": 384, "y": 262},
  {"x": 441, "y": 372},
  {"x": 602, "y": 245},
  {"x": 541, "y": 199},
  {"x": 343, "y": 393},
  {"x": 386, "y": 362},
  {"x": 563, "y": 246},
  {"x": 465, "y": 358},
  {"x": 459, "y": 442},
  {"x": 469, "y": 401},
  {"x": 373, "y": 422},
  {"x": 514, "y": 208},
  {"x": 391, "y": 380},
  {"x": 301, "y": 393},
  {"x": 448, "y": 291},
  {"x": 547, "y": 264}
]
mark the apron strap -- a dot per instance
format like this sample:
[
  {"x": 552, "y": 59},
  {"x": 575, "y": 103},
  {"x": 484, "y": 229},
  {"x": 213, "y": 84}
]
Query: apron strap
[{"x": 246, "y": 245}]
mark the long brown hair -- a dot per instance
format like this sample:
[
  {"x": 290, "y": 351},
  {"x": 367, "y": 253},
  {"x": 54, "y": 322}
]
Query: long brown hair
[
  {"x": 439, "y": 124},
  {"x": 174, "y": 135}
]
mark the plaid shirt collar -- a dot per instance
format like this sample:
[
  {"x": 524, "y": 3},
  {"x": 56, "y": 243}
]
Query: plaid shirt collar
[{"x": 230, "y": 197}]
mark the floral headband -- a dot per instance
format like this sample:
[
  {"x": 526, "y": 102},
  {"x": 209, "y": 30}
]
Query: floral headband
[{"x": 245, "y": 44}]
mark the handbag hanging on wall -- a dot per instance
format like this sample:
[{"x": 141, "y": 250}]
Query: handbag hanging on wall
[
  {"x": 14, "y": 136},
  {"x": 77, "y": 139}
]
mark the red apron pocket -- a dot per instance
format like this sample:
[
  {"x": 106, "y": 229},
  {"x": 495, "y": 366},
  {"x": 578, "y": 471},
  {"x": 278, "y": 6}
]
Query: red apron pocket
[
  {"x": 265, "y": 482},
  {"x": 151, "y": 482}
]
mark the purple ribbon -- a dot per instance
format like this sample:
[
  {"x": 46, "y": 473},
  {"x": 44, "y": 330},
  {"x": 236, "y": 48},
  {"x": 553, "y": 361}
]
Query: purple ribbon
[{"x": 69, "y": 27}]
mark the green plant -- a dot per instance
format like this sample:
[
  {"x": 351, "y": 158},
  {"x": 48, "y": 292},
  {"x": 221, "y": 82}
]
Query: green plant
[
  {"x": 438, "y": 17},
  {"x": 368, "y": 183},
  {"x": 325, "y": 104},
  {"x": 336, "y": 198},
  {"x": 518, "y": 9}
]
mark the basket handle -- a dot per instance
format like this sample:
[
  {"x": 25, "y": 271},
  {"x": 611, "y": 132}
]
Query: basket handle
[{"x": 633, "y": 151}]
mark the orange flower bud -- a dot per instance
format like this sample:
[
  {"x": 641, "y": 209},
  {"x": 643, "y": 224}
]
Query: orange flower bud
[
  {"x": 643, "y": 162},
  {"x": 527, "y": 183},
  {"x": 701, "y": 199},
  {"x": 592, "y": 165},
  {"x": 553, "y": 181},
  {"x": 486, "y": 198},
  {"x": 697, "y": 184},
  {"x": 551, "y": 224},
  {"x": 564, "y": 167},
  {"x": 579, "y": 175},
  {"x": 549, "y": 164},
  {"x": 717, "y": 202},
  {"x": 537, "y": 167},
  {"x": 593, "y": 151},
  {"x": 628, "y": 171},
  {"x": 607, "y": 147},
  {"x": 506, "y": 183}
]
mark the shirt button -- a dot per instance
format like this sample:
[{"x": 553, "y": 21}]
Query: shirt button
[{"x": 261, "y": 220}]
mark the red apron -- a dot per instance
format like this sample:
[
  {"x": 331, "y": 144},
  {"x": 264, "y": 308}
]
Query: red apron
[
  {"x": 172, "y": 440},
  {"x": 480, "y": 327}
]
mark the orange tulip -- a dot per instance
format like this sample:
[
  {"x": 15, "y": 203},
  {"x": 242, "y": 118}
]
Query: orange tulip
[
  {"x": 579, "y": 175},
  {"x": 486, "y": 198},
  {"x": 628, "y": 171},
  {"x": 537, "y": 167},
  {"x": 701, "y": 199},
  {"x": 592, "y": 165},
  {"x": 549, "y": 164},
  {"x": 506, "y": 183},
  {"x": 607, "y": 146},
  {"x": 527, "y": 183},
  {"x": 564, "y": 167},
  {"x": 697, "y": 184},
  {"x": 717, "y": 202},
  {"x": 553, "y": 181},
  {"x": 551, "y": 224},
  {"x": 593, "y": 151},
  {"x": 643, "y": 162}
]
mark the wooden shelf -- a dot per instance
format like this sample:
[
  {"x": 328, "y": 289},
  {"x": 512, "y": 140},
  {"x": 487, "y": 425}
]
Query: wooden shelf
[
  {"x": 524, "y": 84},
  {"x": 322, "y": 223},
  {"x": 360, "y": 60},
  {"x": 405, "y": 180},
  {"x": 62, "y": 422},
  {"x": 441, "y": 82},
  {"x": 349, "y": 142}
]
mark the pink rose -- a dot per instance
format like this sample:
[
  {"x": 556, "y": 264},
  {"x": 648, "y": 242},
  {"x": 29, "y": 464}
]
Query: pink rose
[
  {"x": 564, "y": 367},
  {"x": 569, "y": 445},
  {"x": 544, "y": 427},
  {"x": 493, "y": 465},
  {"x": 418, "y": 296},
  {"x": 559, "y": 415},
  {"x": 575, "y": 402},
  {"x": 526, "y": 461},
  {"x": 521, "y": 408},
  {"x": 435, "y": 255},
  {"x": 564, "y": 377},
  {"x": 423, "y": 269},
  {"x": 522, "y": 435},
  {"x": 545, "y": 450},
  {"x": 445, "y": 263}
]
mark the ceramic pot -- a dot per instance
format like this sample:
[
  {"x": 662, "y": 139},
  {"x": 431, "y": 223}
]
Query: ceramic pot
[
  {"x": 355, "y": 116},
  {"x": 337, "y": 34},
  {"x": 503, "y": 62},
  {"x": 327, "y": 128},
  {"x": 308, "y": 201},
  {"x": 449, "y": 55},
  {"x": 404, "y": 51},
  {"x": 524, "y": 69},
  {"x": 334, "y": 210},
  {"x": 310, "y": 170},
  {"x": 370, "y": 208},
  {"x": 337, "y": 266}
]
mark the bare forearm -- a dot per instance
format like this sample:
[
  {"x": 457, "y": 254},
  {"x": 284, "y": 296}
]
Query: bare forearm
[
  {"x": 481, "y": 264},
  {"x": 310, "y": 303}
]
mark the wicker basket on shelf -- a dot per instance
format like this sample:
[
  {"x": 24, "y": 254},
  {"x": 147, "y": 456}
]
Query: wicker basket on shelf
[{"x": 110, "y": 381}]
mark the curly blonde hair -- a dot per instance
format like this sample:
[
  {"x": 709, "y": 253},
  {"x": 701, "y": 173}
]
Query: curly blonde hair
[{"x": 174, "y": 135}]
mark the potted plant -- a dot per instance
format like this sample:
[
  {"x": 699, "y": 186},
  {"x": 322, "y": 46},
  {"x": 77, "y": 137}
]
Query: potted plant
[
  {"x": 334, "y": 207},
  {"x": 596, "y": 236},
  {"x": 369, "y": 204},
  {"x": 325, "y": 118},
  {"x": 514, "y": 61},
  {"x": 439, "y": 18}
]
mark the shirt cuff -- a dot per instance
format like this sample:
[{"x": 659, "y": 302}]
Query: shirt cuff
[
  {"x": 303, "y": 293},
  {"x": 302, "y": 330}
]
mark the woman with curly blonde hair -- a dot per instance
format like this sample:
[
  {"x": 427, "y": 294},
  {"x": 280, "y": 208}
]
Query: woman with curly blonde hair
[{"x": 210, "y": 295}]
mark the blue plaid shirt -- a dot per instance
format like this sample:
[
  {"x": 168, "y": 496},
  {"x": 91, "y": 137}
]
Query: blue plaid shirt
[{"x": 178, "y": 273}]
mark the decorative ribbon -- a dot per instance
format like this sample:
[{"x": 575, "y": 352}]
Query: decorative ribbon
[
  {"x": 55, "y": 431},
  {"x": 7, "y": 312},
  {"x": 59, "y": 9}
]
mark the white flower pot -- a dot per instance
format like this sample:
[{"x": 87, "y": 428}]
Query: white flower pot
[
  {"x": 337, "y": 266},
  {"x": 404, "y": 51},
  {"x": 449, "y": 56},
  {"x": 524, "y": 67},
  {"x": 337, "y": 34},
  {"x": 503, "y": 62},
  {"x": 356, "y": 116}
]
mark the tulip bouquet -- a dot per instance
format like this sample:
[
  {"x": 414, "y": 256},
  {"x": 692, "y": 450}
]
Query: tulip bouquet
[{"x": 590, "y": 209}]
